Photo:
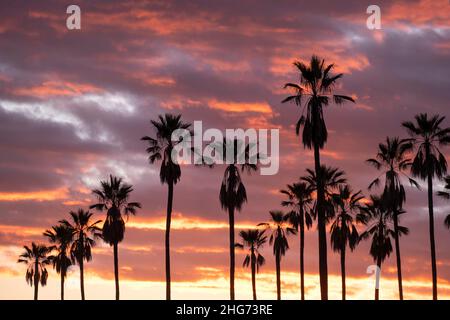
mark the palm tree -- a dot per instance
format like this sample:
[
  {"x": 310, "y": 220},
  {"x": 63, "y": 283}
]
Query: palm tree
[
  {"x": 84, "y": 232},
  {"x": 300, "y": 199},
  {"x": 113, "y": 197},
  {"x": 331, "y": 179},
  {"x": 380, "y": 229},
  {"x": 232, "y": 193},
  {"x": 61, "y": 236},
  {"x": 343, "y": 229},
  {"x": 446, "y": 195},
  {"x": 160, "y": 148},
  {"x": 281, "y": 227},
  {"x": 36, "y": 258},
  {"x": 392, "y": 160},
  {"x": 316, "y": 86},
  {"x": 253, "y": 240},
  {"x": 427, "y": 135}
]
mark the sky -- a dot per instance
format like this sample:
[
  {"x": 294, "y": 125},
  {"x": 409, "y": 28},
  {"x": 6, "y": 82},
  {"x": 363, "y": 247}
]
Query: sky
[{"x": 75, "y": 103}]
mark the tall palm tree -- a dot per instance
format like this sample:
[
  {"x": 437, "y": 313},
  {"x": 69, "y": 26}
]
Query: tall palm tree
[
  {"x": 343, "y": 229},
  {"x": 61, "y": 236},
  {"x": 113, "y": 197},
  {"x": 281, "y": 227},
  {"x": 84, "y": 231},
  {"x": 36, "y": 258},
  {"x": 380, "y": 229},
  {"x": 429, "y": 163},
  {"x": 392, "y": 161},
  {"x": 253, "y": 240},
  {"x": 331, "y": 179},
  {"x": 316, "y": 85},
  {"x": 446, "y": 195},
  {"x": 160, "y": 148},
  {"x": 300, "y": 199},
  {"x": 232, "y": 193}
]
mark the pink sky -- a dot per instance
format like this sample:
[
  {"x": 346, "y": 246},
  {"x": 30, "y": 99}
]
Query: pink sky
[{"x": 74, "y": 104}]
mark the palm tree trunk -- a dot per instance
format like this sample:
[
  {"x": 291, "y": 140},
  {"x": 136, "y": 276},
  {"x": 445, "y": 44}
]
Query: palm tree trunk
[
  {"x": 253, "y": 274},
  {"x": 278, "y": 267},
  {"x": 432, "y": 242},
  {"x": 321, "y": 223},
  {"x": 36, "y": 279},
  {"x": 82, "y": 278},
  {"x": 168, "y": 222},
  {"x": 397, "y": 253},
  {"x": 116, "y": 269},
  {"x": 302, "y": 252},
  {"x": 232, "y": 256},
  {"x": 62, "y": 285},
  {"x": 343, "y": 272},
  {"x": 377, "y": 288}
]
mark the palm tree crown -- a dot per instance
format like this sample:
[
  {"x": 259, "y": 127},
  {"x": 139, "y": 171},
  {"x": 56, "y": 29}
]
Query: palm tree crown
[
  {"x": 427, "y": 134},
  {"x": 113, "y": 197},
  {"x": 331, "y": 179},
  {"x": 160, "y": 148},
  {"x": 316, "y": 86}
]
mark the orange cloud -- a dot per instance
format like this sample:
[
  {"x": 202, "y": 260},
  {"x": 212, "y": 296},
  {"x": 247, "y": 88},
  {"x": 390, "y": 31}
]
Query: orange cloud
[
  {"x": 261, "y": 107},
  {"x": 179, "y": 222},
  {"x": 44, "y": 195},
  {"x": 57, "y": 88}
]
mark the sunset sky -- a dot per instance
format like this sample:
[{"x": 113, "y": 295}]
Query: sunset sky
[{"x": 74, "y": 105}]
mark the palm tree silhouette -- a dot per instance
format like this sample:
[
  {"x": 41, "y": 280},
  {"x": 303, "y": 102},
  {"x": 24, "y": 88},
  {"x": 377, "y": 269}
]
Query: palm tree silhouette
[
  {"x": 343, "y": 229},
  {"x": 36, "y": 258},
  {"x": 253, "y": 240},
  {"x": 392, "y": 160},
  {"x": 316, "y": 86},
  {"x": 84, "y": 232},
  {"x": 281, "y": 227},
  {"x": 380, "y": 229},
  {"x": 446, "y": 195},
  {"x": 160, "y": 148},
  {"x": 232, "y": 193},
  {"x": 331, "y": 179},
  {"x": 427, "y": 134},
  {"x": 113, "y": 197},
  {"x": 300, "y": 199},
  {"x": 61, "y": 236}
]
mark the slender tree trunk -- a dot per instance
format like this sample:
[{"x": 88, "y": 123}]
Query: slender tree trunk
[
  {"x": 62, "y": 285},
  {"x": 343, "y": 272},
  {"x": 432, "y": 242},
  {"x": 302, "y": 254},
  {"x": 168, "y": 222},
  {"x": 278, "y": 267},
  {"x": 321, "y": 223},
  {"x": 253, "y": 258},
  {"x": 377, "y": 288},
  {"x": 232, "y": 256},
  {"x": 116, "y": 269},
  {"x": 82, "y": 278},
  {"x": 397, "y": 253},
  {"x": 36, "y": 279}
]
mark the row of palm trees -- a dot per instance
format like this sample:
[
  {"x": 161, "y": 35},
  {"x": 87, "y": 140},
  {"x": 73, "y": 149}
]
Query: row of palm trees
[
  {"x": 321, "y": 195},
  {"x": 72, "y": 239}
]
